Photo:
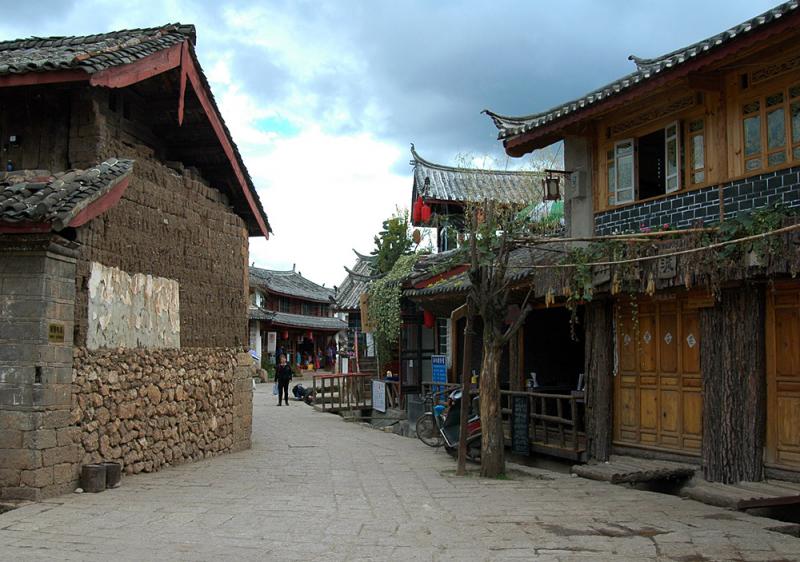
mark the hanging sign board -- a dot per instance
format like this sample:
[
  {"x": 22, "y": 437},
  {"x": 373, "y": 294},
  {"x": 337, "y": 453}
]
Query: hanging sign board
[
  {"x": 520, "y": 419},
  {"x": 379, "y": 396},
  {"x": 272, "y": 341},
  {"x": 439, "y": 368}
]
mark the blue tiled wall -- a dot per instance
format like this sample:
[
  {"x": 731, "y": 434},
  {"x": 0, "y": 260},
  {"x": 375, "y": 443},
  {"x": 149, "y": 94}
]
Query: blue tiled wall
[{"x": 699, "y": 207}]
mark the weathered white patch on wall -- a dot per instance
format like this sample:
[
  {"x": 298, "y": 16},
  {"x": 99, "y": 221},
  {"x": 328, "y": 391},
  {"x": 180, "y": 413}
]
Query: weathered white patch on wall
[{"x": 132, "y": 310}]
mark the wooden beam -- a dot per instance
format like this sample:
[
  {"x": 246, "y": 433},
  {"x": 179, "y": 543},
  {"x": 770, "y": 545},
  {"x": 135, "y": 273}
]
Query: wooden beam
[
  {"x": 712, "y": 82},
  {"x": 128, "y": 74},
  {"x": 35, "y": 78},
  {"x": 24, "y": 228}
]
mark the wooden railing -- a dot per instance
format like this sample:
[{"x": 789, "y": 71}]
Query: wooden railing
[
  {"x": 393, "y": 397},
  {"x": 442, "y": 390},
  {"x": 556, "y": 423},
  {"x": 346, "y": 391}
]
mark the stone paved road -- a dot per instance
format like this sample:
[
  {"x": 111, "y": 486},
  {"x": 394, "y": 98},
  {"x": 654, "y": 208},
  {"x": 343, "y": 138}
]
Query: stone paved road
[{"x": 317, "y": 488}]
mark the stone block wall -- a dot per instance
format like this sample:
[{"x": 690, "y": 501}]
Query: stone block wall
[
  {"x": 37, "y": 291},
  {"x": 701, "y": 206},
  {"x": 150, "y": 408}
]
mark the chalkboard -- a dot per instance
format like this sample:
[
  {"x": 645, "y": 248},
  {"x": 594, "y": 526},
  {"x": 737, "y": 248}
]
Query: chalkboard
[{"x": 520, "y": 418}]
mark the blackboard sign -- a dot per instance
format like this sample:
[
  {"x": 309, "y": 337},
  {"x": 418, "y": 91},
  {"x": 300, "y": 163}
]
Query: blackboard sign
[{"x": 520, "y": 418}]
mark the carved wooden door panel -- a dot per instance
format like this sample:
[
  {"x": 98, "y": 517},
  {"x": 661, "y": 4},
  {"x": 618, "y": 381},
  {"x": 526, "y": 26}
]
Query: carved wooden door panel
[
  {"x": 658, "y": 401},
  {"x": 783, "y": 377}
]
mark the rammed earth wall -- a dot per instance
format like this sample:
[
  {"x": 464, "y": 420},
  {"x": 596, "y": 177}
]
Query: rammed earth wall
[
  {"x": 151, "y": 408},
  {"x": 701, "y": 207}
]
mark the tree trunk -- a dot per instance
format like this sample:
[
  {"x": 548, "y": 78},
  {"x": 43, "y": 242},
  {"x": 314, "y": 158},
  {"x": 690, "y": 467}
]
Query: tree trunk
[
  {"x": 492, "y": 441},
  {"x": 599, "y": 361},
  {"x": 732, "y": 360}
]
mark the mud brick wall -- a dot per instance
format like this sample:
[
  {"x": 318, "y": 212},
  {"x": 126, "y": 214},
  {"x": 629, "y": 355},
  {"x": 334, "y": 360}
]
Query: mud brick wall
[
  {"x": 174, "y": 226},
  {"x": 37, "y": 287},
  {"x": 152, "y": 408}
]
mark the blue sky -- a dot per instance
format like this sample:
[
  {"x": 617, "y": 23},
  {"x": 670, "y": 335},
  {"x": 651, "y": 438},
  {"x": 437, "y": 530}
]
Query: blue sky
[{"x": 324, "y": 97}]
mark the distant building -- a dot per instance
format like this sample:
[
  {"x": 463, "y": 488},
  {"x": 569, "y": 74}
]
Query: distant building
[{"x": 294, "y": 311}]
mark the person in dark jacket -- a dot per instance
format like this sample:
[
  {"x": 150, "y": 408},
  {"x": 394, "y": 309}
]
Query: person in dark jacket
[{"x": 283, "y": 374}]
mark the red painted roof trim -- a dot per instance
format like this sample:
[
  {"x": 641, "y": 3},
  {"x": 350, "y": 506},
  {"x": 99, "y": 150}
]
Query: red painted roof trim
[
  {"x": 34, "y": 78},
  {"x": 527, "y": 142},
  {"x": 142, "y": 69},
  {"x": 189, "y": 66},
  {"x": 441, "y": 276},
  {"x": 101, "y": 205}
]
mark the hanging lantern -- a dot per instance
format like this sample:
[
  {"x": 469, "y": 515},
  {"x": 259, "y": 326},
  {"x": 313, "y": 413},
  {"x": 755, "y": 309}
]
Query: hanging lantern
[
  {"x": 416, "y": 213},
  {"x": 426, "y": 213},
  {"x": 428, "y": 319},
  {"x": 310, "y": 335},
  {"x": 552, "y": 189},
  {"x": 285, "y": 334}
]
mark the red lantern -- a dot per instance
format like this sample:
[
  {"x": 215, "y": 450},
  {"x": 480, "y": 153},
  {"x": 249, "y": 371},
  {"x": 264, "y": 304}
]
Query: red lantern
[
  {"x": 426, "y": 213},
  {"x": 416, "y": 213},
  {"x": 310, "y": 335},
  {"x": 286, "y": 334},
  {"x": 428, "y": 319}
]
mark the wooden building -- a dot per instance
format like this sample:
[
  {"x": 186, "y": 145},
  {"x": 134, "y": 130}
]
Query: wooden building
[
  {"x": 298, "y": 312},
  {"x": 357, "y": 350},
  {"x": 125, "y": 212},
  {"x": 703, "y": 135}
]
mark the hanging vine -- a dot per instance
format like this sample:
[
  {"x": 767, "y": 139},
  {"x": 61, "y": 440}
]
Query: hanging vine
[{"x": 384, "y": 307}]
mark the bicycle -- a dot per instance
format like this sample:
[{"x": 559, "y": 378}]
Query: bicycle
[{"x": 427, "y": 427}]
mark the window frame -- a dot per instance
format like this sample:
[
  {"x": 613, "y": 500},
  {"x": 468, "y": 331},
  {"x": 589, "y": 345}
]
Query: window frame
[{"x": 790, "y": 91}]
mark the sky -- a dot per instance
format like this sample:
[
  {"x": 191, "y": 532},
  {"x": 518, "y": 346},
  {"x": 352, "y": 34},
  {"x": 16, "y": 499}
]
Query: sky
[{"x": 323, "y": 97}]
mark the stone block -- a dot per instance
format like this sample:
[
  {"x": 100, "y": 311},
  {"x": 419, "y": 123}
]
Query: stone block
[
  {"x": 9, "y": 477},
  {"x": 52, "y": 419},
  {"x": 20, "y": 459},
  {"x": 38, "y": 478},
  {"x": 66, "y": 472},
  {"x": 68, "y": 436},
  {"x": 59, "y": 455},
  {"x": 10, "y": 438},
  {"x": 16, "y": 395},
  {"x": 39, "y": 439},
  {"x": 20, "y": 493},
  {"x": 16, "y": 420}
]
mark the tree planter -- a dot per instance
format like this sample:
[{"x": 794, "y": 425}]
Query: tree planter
[
  {"x": 93, "y": 478},
  {"x": 113, "y": 474}
]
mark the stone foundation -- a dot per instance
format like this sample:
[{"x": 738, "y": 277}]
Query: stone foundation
[{"x": 152, "y": 408}]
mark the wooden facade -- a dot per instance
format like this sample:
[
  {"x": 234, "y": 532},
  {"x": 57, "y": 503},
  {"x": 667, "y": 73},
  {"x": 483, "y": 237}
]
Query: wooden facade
[{"x": 700, "y": 136}]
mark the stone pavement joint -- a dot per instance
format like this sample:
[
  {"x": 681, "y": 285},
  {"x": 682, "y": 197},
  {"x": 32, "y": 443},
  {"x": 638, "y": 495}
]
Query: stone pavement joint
[{"x": 314, "y": 487}]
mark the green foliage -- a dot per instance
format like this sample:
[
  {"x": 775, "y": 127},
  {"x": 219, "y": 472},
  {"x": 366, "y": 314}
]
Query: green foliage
[
  {"x": 384, "y": 306},
  {"x": 392, "y": 242}
]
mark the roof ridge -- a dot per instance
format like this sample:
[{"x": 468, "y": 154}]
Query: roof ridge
[
  {"x": 60, "y": 40},
  {"x": 417, "y": 159},
  {"x": 509, "y": 126}
]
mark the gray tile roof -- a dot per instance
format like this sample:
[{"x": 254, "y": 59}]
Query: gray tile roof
[
  {"x": 94, "y": 53},
  {"x": 355, "y": 284},
  {"x": 91, "y": 53},
  {"x": 291, "y": 284},
  {"x": 461, "y": 185},
  {"x": 646, "y": 69},
  {"x": 286, "y": 320},
  {"x": 519, "y": 269},
  {"x": 36, "y": 196}
]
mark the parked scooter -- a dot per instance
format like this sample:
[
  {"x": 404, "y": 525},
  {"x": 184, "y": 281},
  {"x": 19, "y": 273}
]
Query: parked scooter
[{"x": 450, "y": 424}]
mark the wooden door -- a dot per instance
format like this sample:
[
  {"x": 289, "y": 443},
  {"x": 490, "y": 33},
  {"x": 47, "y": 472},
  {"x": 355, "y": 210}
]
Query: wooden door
[
  {"x": 783, "y": 377},
  {"x": 657, "y": 394}
]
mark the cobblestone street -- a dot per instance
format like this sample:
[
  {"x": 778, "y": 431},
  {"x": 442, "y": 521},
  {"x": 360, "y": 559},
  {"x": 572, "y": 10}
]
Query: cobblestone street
[{"x": 317, "y": 488}]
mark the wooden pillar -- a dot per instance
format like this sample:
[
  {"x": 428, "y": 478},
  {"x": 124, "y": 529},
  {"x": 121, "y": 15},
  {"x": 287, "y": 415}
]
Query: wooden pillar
[
  {"x": 732, "y": 360},
  {"x": 515, "y": 361},
  {"x": 599, "y": 361}
]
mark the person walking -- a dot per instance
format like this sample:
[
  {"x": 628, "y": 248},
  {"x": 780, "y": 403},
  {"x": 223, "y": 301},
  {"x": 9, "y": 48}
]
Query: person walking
[{"x": 283, "y": 374}]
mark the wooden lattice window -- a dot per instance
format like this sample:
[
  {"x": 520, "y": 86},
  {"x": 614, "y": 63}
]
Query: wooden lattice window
[{"x": 771, "y": 129}]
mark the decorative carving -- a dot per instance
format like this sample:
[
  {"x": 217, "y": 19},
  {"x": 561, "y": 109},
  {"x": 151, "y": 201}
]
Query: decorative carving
[
  {"x": 776, "y": 69},
  {"x": 668, "y": 338},
  {"x": 652, "y": 114}
]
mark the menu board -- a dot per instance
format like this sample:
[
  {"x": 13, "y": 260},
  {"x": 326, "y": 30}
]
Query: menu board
[{"x": 520, "y": 418}]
